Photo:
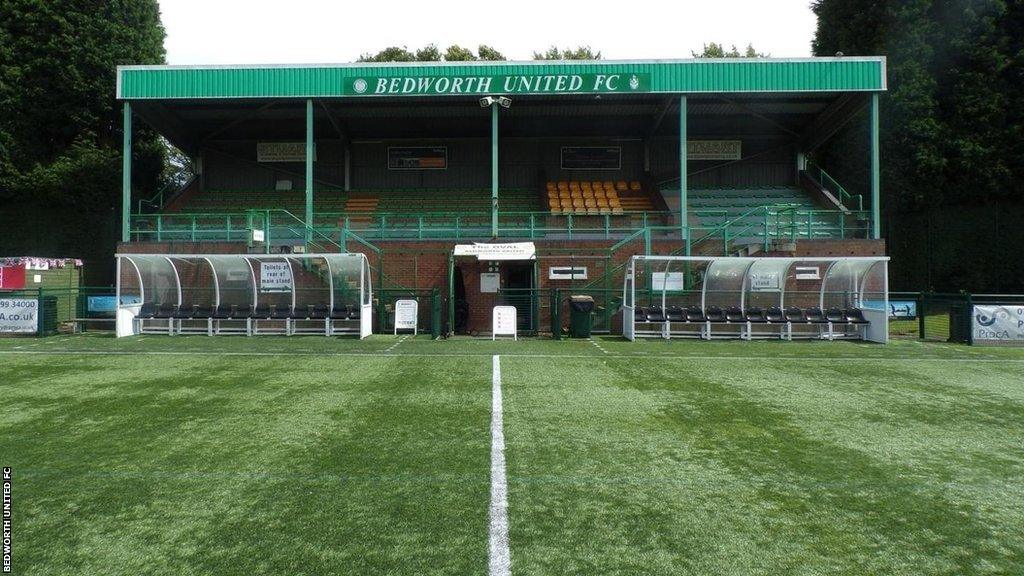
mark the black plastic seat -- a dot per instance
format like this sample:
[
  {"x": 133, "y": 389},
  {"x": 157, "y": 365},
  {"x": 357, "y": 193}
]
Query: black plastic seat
[
  {"x": 640, "y": 314},
  {"x": 835, "y": 316},
  {"x": 755, "y": 314},
  {"x": 794, "y": 314},
  {"x": 815, "y": 316},
  {"x": 714, "y": 314},
  {"x": 185, "y": 312},
  {"x": 353, "y": 312},
  {"x": 655, "y": 314},
  {"x": 734, "y": 314},
  {"x": 675, "y": 314},
  {"x": 148, "y": 310},
  {"x": 281, "y": 313},
  {"x": 261, "y": 312},
  {"x": 775, "y": 315},
  {"x": 203, "y": 311},
  {"x": 166, "y": 311},
  {"x": 695, "y": 314},
  {"x": 340, "y": 312},
  {"x": 318, "y": 312},
  {"x": 855, "y": 316},
  {"x": 223, "y": 312}
]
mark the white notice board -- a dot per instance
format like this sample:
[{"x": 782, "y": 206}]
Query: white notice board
[
  {"x": 504, "y": 322},
  {"x": 406, "y": 315}
]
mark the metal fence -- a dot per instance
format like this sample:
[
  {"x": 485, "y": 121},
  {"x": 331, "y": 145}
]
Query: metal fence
[{"x": 69, "y": 309}]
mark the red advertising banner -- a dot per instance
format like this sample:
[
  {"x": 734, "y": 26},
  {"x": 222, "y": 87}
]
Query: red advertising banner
[{"x": 12, "y": 277}]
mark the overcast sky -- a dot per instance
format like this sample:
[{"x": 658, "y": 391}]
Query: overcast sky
[{"x": 309, "y": 31}]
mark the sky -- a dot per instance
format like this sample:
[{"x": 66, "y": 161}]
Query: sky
[{"x": 307, "y": 31}]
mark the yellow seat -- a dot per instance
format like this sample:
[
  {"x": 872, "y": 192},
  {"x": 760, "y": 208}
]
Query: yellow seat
[
  {"x": 563, "y": 193},
  {"x": 621, "y": 186},
  {"x": 590, "y": 203},
  {"x": 574, "y": 186},
  {"x": 634, "y": 186},
  {"x": 551, "y": 186},
  {"x": 616, "y": 210},
  {"x": 563, "y": 185},
  {"x": 614, "y": 203},
  {"x": 577, "y": 203},
  {"x": 588, "y": 193},
  {"x": 585, "y": 186},
  {"x": 609, "y": 186},
  {"x": 599, "y": 194}
]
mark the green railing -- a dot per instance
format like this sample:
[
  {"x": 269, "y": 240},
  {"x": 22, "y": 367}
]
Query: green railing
[
  {"x": 330, "y": 230},
  {"x": 818, "y": 174}
]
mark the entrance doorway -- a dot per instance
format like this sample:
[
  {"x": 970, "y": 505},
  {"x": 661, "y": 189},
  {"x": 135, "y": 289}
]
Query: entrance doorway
[{"x": 519, "y": 290}]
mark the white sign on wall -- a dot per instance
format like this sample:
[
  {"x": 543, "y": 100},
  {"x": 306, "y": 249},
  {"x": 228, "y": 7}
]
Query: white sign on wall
[
  {"x": 994, "y": 324},
  {"x": 19, "y": 316},
  {"x": 504, "y": 322},
  {"x": 275, "y": 277},
  {"x": 490, "y": 282},
  {"x": 764, "y": 282},
  {"x": 714, "y": 149},
  {"x": 282, "y": 152},
  {"x": 667, "y": 281},
  {"x": 406, "y": 315},
  {"x": 498, "y": 251}
]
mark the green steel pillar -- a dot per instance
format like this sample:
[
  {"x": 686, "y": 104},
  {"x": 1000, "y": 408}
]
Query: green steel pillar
[
  {"x": 126, "y": 175},
  {"x": 876, "y": 186},
  {"x": 309, "y": 168},
  {"x": 494, "y": 170},
  {"x": 683, "y": 216}
]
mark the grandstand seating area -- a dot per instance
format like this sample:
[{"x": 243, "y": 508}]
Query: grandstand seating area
[
  {"x": 598, "y": 197},
  {"x": 361, "y": 204},
  {"x": 715, "y": 206}
]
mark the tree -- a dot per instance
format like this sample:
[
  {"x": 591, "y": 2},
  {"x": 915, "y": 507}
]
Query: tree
[
  {"x": 713, "y": 50},
  {"x": 389, "y": 54},
  {"x": 60, "y": 126},
  {"x": 950, "y": 133},
  {"x": 456, "y": 53},
  {"x": 488, "y": 53},
  {"x": 580, "y": 53}
]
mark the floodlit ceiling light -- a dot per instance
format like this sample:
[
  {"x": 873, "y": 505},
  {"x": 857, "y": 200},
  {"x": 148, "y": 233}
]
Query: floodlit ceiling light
[{"x": 486, "y": 101}]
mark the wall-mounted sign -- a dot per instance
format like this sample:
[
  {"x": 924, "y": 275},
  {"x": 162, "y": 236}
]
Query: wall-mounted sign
[
  {"x": 12, "y": 277},
  {"x": 275, "y": 277},
  {"x": 490, "y": 282},
  {"x": 406, "y": 316},
  {"x": 591, "y": 157},
  {"x": 417, "y": 157},
  {"x": 567, "y": 273},
  {"x": 282, "y": 152},
  {"x": 19, "y": 316},
  {"x": 501, "y": 84},
  {"x": 667, "y": 281},
  {"x": 503, "y": 322},
  {"x": 498, "y": 251},
  {"x": 807, "y": 272},
  {"x": 258, "y": 235},
  {"x": 993, "y": 324},
  {"x": 764, "y": 282},
  {"x": 714, "y": 149}
]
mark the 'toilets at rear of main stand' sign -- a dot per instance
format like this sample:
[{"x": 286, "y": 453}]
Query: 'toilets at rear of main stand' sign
[{"x": 275, "y": 277}]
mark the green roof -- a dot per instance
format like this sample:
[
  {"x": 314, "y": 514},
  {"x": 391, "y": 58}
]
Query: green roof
[{"x": 727, "y": 75}]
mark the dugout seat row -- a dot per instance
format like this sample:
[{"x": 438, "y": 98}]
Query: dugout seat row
[
  {"x": 246, "y": 319},
  {"x": 752, "y": 322}
]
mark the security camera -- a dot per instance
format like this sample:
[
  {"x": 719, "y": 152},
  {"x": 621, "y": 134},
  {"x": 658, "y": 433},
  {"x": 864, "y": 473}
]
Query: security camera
[
  {"x": 840, "y": 54},
  {"x": 504, "y": 101},
  {"x": 486, "y": 101}
]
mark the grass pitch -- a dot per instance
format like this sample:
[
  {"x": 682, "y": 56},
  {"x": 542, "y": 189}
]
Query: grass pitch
[{"x": 307, "y": 455}]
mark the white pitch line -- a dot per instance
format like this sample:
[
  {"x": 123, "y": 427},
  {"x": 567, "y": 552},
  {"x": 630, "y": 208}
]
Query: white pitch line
[
  {"x": 599, "y": 347},
  {"x": 395, "y": 345},
  {"x": 500, "y": 560}
]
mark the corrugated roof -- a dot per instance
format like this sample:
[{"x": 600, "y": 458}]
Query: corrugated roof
[{"x": 744, "y": 75}]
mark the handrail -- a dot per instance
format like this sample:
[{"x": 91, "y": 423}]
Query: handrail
[{"x": 826, "y": 181}]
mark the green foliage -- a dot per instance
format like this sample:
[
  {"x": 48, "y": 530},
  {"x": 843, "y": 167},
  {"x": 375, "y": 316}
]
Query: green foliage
[
  {"x": 431, "y": 53},
  {"x": 456, "y": 53},
  {"x": 714, "y": 50},
  {"x": 951, "y": 119},
  {"x": 487, "y": 53},
  {"x": 60, "y": 127},
  {"x": 579, "y": 53}
]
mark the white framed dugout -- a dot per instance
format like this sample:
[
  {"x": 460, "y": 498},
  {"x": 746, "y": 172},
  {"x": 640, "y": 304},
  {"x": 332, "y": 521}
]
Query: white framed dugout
[
  {"x": 251, "y": 294},
  {"x": 749, "y": 297}
]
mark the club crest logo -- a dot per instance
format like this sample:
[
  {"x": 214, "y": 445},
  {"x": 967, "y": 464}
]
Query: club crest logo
[
  {"x": 359, "y": 86},
  {"x": 634, "y": 82}
]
